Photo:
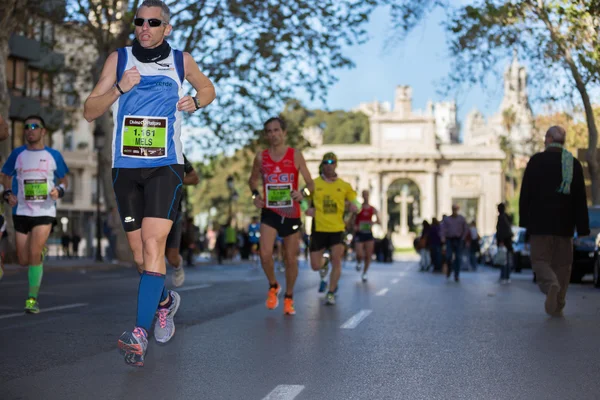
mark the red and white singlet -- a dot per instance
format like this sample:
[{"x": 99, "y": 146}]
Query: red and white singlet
[
  {"x": 364, "y": 219},
  {"x": 279, "y": 179}
]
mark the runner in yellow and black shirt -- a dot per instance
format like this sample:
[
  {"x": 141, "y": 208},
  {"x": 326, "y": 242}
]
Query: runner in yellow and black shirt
[{"x": 328, "y": 204}]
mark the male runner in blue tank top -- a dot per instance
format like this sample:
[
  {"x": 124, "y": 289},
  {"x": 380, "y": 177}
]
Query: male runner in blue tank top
[{"x": 144, "y": 86}]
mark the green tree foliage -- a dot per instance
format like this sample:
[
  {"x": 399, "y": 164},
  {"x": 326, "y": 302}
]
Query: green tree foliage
[
  {"x": 341, "y": 127},
  {"x": 558, "y": 38}
]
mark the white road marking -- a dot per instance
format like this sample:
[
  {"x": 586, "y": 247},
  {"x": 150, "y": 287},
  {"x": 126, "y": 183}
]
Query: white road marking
[
  {"x": 194, "y": 287},
  {"x": 394, "y": 281},
  {"x": 58, "y": 308},
  {"x": 356, "y": 319},
  {"x": 108, "y": 276},
  {"x": 382, "y": 292},
  {"x": 284, "y": 392}
]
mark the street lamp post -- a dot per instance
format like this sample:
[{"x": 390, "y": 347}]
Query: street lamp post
[
  {"x": 232, "y": 194},
  {"x": 99, "y": 144}
]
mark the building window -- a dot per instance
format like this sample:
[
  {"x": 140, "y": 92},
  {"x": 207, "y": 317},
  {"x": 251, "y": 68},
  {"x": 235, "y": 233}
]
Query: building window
[
  {"x": 17, "y": 133},
  {"x": 16, "y": 74},
  {"x": 47, "y": 87},
  {"x": 48, "y": 33},
  {"x": 68, "y": 145},
  {"x": 69, "y": 192},
  {"x": 10, "y": 72},
  {"x": 33, "y": 88}
]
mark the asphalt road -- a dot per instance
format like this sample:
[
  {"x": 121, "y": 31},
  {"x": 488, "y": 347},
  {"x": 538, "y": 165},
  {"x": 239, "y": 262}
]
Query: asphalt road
[{"x": 402, "y": 335}]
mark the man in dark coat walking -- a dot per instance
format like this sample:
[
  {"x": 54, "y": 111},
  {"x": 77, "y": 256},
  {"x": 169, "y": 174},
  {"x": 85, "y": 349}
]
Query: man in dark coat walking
[{"x": 552, "y": 204}]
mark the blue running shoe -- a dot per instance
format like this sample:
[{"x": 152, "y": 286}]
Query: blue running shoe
[{"x": 322, "y": 286}]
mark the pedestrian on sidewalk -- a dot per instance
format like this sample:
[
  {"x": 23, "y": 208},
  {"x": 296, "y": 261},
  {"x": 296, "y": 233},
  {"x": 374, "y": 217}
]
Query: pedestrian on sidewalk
[
  {"x": 75, "y": 240},
  {"x": 425, "y": 261},
  {"x": 454, "y": 233},
  {"x": 474, "y": 246},
  {"x": 552, "y": 204},
  {"x": 434, "y": 240},
  {"x": 504, "y": 238}
]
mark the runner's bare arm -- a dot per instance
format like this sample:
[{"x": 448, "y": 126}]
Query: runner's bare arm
[
  {"x": 191, "y": 178},
  {"x": 205, "y": 90},
  {"x": 104, "y": 94},
  {"x": 6, "y": 181},
  {"x": 3, "y": 129},
  {"x": 301, "y": 165}
]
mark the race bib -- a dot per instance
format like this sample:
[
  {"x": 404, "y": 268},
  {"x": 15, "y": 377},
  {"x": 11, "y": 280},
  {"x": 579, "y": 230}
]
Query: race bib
[
  {"x": 36, "y": 189},
  {"x": 365, "y": 227},
  {"x": 279, "y": 195},
  {"x": 144, "y": 137}
]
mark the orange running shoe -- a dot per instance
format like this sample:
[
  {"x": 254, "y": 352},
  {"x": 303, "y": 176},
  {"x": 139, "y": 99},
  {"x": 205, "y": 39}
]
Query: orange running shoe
[
  {"x": 273, "y": 297},
  {"x": 288, "y": 307}
]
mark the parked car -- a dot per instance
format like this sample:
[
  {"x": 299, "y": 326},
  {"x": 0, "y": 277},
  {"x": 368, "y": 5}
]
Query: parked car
[
  {"x": 585, "y": 250},
  {"x": 522, "y": 253}
]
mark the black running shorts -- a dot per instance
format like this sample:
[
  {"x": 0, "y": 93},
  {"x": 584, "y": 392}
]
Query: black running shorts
[
  {"x": 25, "y": 224},
  {"x": 284, "y": 226},
  {"x": 362, "y": 237},
  {"x": 325, "y": 240},
  {"x": 174, "y": 238},
  {"x": 147, "y": 193}
]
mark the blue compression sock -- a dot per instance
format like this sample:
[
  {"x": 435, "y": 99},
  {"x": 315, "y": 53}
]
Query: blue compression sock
[
  {"x": 165, "y": 294},
  {"x": 149, "y": 292}
]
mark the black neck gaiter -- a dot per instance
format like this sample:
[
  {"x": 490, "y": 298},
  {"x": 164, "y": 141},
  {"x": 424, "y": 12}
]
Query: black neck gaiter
[{"x": 150, "y": 55}]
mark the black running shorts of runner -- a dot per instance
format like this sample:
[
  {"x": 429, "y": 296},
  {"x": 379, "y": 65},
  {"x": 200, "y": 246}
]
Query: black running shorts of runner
[
  {"x": 325, "y": 240},
  {"x": 284, "y": 226},
  {"x": 147, "y": 193}
]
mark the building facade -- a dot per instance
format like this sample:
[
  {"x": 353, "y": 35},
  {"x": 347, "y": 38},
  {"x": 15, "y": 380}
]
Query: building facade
[{"x": 46, "y": 76}]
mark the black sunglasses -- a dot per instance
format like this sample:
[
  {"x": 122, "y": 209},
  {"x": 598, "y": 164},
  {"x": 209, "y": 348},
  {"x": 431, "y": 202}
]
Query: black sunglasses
[
  {"x": 32, "y": 127},
  {"x": 328, "y": 162},
  {"x": 153, "y": 22}
]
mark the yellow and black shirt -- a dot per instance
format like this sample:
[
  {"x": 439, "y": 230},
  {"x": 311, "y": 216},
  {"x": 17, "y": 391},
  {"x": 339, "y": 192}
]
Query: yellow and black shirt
[{"x": 329, "y": 200}]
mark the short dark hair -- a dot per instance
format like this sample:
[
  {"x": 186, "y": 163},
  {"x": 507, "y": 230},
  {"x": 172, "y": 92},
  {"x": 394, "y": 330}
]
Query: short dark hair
[
  {"x": 501, "y": 208},
  {"x": 282, "y": 123},
  {"x": 38, "y": 118}
]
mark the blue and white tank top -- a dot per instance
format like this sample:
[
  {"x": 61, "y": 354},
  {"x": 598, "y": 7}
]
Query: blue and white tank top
[
  {"x": 147, "y": 130},
  {"x": 35, "y": 173}
]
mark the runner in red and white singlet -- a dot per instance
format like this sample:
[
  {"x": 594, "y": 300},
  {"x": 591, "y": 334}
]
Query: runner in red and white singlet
[
  {"x": 279, "y": 167},
  {"x": 365, "y": 243}
]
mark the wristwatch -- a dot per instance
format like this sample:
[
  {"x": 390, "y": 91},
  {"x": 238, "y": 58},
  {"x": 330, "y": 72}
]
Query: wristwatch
[{"x": 196, "y": 103}]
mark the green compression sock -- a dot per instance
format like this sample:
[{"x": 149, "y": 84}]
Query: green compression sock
[{"x": 35, "y": 279}]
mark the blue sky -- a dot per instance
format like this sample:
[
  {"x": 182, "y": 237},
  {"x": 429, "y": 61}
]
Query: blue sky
[{"x": 420, "y": 61}]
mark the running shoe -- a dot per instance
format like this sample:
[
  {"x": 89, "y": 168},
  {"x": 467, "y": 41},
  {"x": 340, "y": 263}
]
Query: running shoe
[
  {"x": 133, "y": 346},
  {"x": 364, "y": 277},
  {"x": 281, "y": 267},
  {"x": 330, "y": 299},
  {"x": 178, "y": 276},
  {"x": 358, "y": 266},
  {"x": 288, "y": 306},
  {"x": 325, "y": 268},
  {"x": 32, "y": 306},
  {"x": 273, "y": 297},
  {"x": 322, "y": 286},
  {"x": 164, "y": 327}
]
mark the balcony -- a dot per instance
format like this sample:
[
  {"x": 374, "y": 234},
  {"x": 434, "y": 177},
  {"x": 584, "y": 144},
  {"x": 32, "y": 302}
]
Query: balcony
[{"x": 22, "y": 107}]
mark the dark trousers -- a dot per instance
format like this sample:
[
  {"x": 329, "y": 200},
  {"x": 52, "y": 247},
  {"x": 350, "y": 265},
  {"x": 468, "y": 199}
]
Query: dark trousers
[
  {"x": 453, "y": 249},
  {"x": 436, "y": 257}
]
